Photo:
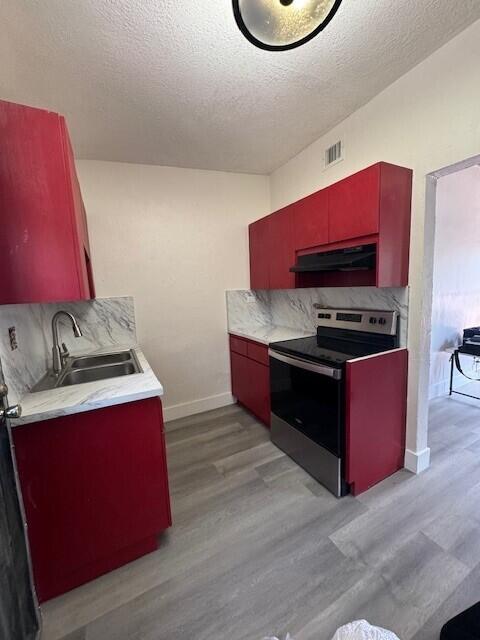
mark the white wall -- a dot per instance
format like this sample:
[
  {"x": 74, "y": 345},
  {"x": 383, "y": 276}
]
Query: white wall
[
  {"x": 426, "y": 120},
  {"x": 456, "y": 274},
  {"x": 175, "y": 239}
]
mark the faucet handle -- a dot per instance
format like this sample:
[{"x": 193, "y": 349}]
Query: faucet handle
[{"x": 65, "y": 350}]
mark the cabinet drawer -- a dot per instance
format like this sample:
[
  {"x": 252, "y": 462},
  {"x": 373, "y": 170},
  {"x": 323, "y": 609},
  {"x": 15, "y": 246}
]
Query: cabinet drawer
[
  {"x": 238, "y": 345},
  {"x": 258, "y": 352}
]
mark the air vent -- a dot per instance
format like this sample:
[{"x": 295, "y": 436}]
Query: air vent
[{"x": 334, "y": 154}]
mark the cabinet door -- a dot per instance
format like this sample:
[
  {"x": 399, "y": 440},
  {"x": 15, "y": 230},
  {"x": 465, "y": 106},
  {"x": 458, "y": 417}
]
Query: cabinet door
[
  {"x": 251, "y": 385},
  {"x": 38, "y": 257},
  {"x": 94, "y": 485},
  {"x": 240, "y": 378},
  {"x": 353, "y": 206},
  {"x": 259, "y": 395},
  {"x": 394, "y": 240},
  {"x": 259, "y": 254},
  {"x": 376, "y": 399},
  {"x": 281, "y": 249},
  {"x": 311, "y": 220}
]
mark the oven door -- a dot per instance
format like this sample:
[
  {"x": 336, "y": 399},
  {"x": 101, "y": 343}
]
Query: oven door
[{"x": 307, "y": 416}]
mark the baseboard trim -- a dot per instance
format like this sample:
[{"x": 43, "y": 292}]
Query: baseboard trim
[
  {"x": 442, "y": 388},
  {"x": 185, "y": 409},
  {"x": 417, "y": 461}
]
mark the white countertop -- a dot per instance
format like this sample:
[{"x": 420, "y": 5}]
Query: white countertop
[
  {"x": 44, "y": 405},
  {"x": 265, "y": 334}
]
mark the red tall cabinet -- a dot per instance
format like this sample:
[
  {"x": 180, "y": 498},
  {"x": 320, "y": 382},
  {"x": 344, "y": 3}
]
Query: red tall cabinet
[{"x": 44, "y": 248}]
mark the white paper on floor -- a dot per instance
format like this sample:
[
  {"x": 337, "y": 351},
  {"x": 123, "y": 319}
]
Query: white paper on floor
[{"x": 362, "y": 630}]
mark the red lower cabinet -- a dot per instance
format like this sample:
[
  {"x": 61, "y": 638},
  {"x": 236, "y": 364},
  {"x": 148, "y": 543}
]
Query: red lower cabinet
[
  {"x": 251, "y": 376},
  {"x": 95, "y": 489},
  {"x": 375, "y": 418}
]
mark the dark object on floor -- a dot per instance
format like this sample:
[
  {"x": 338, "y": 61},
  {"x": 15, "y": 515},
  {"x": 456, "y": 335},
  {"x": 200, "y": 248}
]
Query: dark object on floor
[{"x": 465, "y": 626}]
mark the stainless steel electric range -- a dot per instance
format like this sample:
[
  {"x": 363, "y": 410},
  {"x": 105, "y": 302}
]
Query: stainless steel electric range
[{"x": 308, "y": 390}]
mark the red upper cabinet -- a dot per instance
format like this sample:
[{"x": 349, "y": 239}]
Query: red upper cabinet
[
  {"x": 394, "y": 232},
  {"x": 259, "y": 254},
  {"x": 281, "y": 250},
  {"x": 44, "y": 251},
  {"x": 311, "y": 220},
  {"x": 353, "y": 205},
  {"x": 81, "y": 226},
  {"x": 272, "y": 251},
  {"x": 371, "y": 207}
]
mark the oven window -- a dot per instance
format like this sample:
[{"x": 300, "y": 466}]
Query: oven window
[{"x": 310, "y": 402}]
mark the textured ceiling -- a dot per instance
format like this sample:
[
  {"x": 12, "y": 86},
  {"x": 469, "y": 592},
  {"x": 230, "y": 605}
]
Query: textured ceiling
[{"x": 173, "y": 82}]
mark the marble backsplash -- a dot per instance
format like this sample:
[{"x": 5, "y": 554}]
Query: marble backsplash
[
  {"x": 104, "y": 322},
  {"x": 294, "y": 307}
]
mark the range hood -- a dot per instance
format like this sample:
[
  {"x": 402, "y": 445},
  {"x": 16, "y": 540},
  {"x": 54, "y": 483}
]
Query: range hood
[{"x": 360, "y": 258}]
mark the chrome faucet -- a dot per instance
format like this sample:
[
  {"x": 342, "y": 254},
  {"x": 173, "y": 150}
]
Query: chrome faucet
[{"x": 59, "y": 356}]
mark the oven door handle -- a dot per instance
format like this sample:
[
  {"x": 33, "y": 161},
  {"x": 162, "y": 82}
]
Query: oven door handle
[{"x": 331, "y": 372}]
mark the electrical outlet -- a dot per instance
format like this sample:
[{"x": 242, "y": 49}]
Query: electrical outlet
[{"x": 12, "y": 334}]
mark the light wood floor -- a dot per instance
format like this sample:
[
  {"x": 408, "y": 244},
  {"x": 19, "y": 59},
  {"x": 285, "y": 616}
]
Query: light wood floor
[{"x": 259, "y": 548}]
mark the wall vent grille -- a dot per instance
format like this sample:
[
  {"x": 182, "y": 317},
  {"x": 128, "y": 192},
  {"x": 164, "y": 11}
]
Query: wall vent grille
[{"x": 334, "y": 154}]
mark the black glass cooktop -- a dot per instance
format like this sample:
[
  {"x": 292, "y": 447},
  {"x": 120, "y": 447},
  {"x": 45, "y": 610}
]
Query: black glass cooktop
[{"x": 329, "y": 350}]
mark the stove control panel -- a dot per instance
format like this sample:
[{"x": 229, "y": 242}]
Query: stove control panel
[{"x": 384, "y": 322}]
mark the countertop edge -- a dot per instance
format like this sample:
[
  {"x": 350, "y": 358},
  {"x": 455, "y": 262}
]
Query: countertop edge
[
  {"x": 255, "y": 335},
  {"x": 85, "y": 407}
]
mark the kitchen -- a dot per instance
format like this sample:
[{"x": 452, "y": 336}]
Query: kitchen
[{"x": 181, "y": 280}]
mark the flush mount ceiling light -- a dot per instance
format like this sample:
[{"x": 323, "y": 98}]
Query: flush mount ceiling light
[{"x": 277, "y": 25}]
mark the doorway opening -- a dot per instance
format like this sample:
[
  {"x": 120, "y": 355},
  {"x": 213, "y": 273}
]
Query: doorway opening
[{"x": 451, "y": 290}]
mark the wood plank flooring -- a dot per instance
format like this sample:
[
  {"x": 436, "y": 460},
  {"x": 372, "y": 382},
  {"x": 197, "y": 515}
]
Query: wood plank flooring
[{"x": 259, "y": 548}]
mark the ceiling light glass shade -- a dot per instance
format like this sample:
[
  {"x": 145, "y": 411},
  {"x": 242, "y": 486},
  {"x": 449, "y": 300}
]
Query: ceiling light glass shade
[{"x": 277, "y": 25}]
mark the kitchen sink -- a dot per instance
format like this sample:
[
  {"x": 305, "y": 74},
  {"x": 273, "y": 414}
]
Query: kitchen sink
[
  {"x": 78, "y": 376},
  {"x": 86, "y": 362},
  {"x": 81, "y": 369}
]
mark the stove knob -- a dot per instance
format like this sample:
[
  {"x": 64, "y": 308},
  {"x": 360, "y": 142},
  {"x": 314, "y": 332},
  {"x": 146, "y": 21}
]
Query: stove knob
[
  {"x": 373, "y": 321},
  {"x": 328, "y": 316},
  {"x": 382, "y": 321}
]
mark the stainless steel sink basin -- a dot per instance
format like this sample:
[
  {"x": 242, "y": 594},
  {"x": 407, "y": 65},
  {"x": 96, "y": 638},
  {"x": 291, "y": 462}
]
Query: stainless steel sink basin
[
  {"x": 82, "y": 369},
  {"x": 86, "y": 362},
  {"x": 78, "y": 376}
]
